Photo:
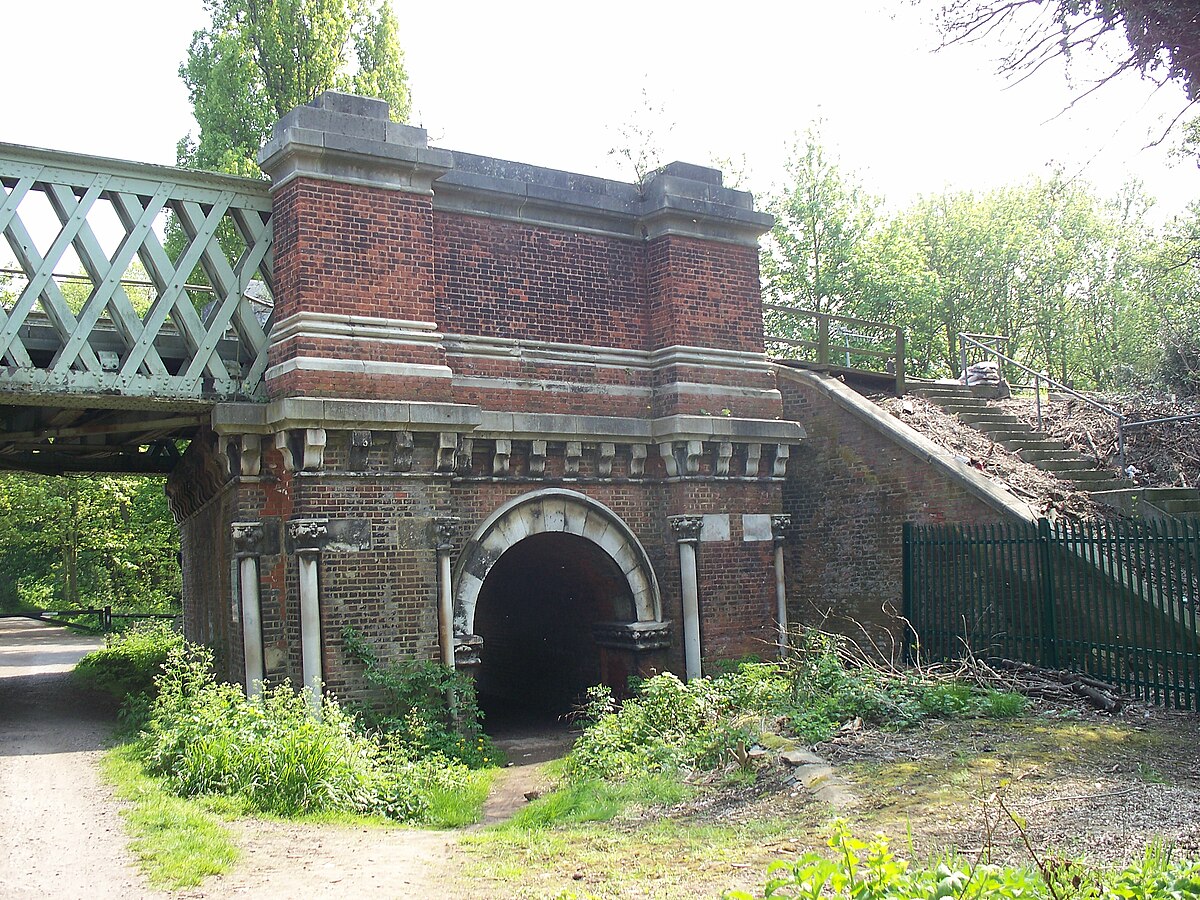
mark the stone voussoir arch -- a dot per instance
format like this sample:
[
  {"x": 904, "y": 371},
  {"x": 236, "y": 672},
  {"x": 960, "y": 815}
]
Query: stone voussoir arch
[{"x": 547, "y": 511}]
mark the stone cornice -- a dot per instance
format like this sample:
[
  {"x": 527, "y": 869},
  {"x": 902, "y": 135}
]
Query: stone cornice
[{"x": 351, "y": 140}]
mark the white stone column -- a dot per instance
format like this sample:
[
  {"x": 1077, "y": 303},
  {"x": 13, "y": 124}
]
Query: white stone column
[
  {"x": 779, "y": 527},
  {"x": 687, "y": 535},
  {"x": 309, "y": 536},
  {"x": 445, "y": 543},
  {"x": 247, "y": 545}
]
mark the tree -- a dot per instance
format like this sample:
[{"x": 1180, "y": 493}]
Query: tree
[
  {"x": 821, "y": 219},
  {"x": 87, "y": 541},
  {"x": 1162, "y": 36},
  {"x": 258, "y": 59}
]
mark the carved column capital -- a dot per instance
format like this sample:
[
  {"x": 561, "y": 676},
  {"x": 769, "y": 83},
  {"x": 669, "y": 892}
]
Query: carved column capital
[
  {"x": 686, "y": 528},
  {"x": 308, "y": 535},
  {"x": 247, "y": 538},
  {"x": 780, "y": 523},
  {"x": 444, "y": 531}
]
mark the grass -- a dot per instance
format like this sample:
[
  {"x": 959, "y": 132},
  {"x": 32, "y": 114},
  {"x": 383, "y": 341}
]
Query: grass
[
  {"x": 593, "y": 800},
  {"x": 662, "y": 858},
  {"x": 178, "y": 842},
  {"x": 462, "y": 805}
]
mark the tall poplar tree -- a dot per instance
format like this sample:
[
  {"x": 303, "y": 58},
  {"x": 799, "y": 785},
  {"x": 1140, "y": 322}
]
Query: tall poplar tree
[{"x": 258, "y": 59}]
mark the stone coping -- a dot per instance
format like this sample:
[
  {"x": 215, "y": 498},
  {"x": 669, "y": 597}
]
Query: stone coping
[
  {"x": 339, "y": 137},
  {"x": 912, "y": 441}
]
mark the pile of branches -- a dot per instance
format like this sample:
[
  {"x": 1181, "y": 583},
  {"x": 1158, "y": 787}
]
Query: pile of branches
[
  {"x": 1166, "y": 454},
  {"x": 1049, "y": 496},
  {"x": 1053, "y": 685}
]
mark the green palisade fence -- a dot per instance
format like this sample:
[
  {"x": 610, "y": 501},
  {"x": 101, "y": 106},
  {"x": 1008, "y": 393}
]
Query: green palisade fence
[{"x": 1115, "y": 600}]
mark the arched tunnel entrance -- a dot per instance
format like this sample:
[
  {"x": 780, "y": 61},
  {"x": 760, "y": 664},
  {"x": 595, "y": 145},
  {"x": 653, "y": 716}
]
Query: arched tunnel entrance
[{"x": 536, "y": 612}]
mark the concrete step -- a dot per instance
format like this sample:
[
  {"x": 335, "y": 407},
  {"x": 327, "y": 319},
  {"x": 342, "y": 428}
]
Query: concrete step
[
  {"x": 987, "y": 417},
  {"x": 1038, "y": 456},
  {"x": 1086, "y": 479},
  {"x": 1075, "y": 464},
  {"x": 1034, "y": 443},
  {"x": 962, "y": 404}
]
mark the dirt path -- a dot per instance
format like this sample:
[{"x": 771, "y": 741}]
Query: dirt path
[
  {"x": 65, "y": 838},
  {"x": 62, "y": 832}
]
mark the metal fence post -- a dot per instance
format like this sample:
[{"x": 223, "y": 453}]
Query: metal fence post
[
  {"x": 907, "y": 597},
  {"x": 1045, "y": 559},
  {"x": 900, "y": 351}
]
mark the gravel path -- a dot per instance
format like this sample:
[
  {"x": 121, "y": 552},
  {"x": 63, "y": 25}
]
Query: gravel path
[{"x": 63, "y": 836}]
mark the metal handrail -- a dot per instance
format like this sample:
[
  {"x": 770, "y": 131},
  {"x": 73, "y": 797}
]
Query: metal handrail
[{"x": 1038, "y": 378}]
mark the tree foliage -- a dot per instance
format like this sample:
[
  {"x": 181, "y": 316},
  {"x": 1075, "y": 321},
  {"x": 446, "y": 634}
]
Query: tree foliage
[
  {"x": 258, "y": 59},
  {"x": 1080, "y": 285},
  {"x": 87, "y": 541}
]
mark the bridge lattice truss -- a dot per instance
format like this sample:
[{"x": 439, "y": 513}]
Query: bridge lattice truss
[{"x": 164, "y": 315}]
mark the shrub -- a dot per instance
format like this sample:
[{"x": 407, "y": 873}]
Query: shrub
[
  {"x": 206, "y": 737},
  {"x": 706, "y": 724},
  {"x": 416, "y": 707},
  {"x": 130, "y": 661}
]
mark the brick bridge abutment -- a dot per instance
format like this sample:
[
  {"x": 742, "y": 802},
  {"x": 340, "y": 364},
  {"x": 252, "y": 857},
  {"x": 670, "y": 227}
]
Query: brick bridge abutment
[{"x": 499, "y": 397}]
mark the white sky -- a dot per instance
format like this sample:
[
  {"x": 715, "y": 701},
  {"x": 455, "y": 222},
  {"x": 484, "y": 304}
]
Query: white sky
[{"x": 551, "y": 83}]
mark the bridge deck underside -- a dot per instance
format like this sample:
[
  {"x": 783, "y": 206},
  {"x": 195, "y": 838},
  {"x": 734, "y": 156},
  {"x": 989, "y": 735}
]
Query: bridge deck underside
[{"x": 46, "y": 435}]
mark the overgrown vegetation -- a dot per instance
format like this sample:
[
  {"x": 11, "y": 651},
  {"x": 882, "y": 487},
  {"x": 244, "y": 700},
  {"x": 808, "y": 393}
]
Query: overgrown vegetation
[
  {"x": 868, "y": 870},
  {"x": 423, "y": 706},
  {"x": 704, "y": 728},
  {"x": 129, "y": 662},
  {"x": 203, "y": 737}
]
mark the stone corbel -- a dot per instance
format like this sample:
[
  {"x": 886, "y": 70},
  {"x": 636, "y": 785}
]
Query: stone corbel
[
  {"x": 243, "y": 454},
  {"x": 303, "y": 445},
  {"x": 693, "y": 450},
  {"x": 447, "y": 449},
  {"x": 402, "y": 451},
  {"x": 753, "y": 459},
  {"x": 667, "y": 452},
  {"x": 604, "y": 459},
  {"x": 637, "y": 460},
  {"x": 462, "y": 459},
  {"x": 574, "y": 457},
  {"x": 501, "y": 457},
  {"x": 537, "y": 458},
  {"x": 782, "y": 452},
  {"x": 724, "y": 455}
]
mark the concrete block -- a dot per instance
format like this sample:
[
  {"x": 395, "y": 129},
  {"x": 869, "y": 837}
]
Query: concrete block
[
  {"x": 756, "y": 527},
  {"x": 715, "y": 528}
]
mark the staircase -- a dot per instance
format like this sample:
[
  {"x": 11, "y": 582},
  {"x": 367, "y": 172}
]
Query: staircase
[{"x": 1047, "y": 453}]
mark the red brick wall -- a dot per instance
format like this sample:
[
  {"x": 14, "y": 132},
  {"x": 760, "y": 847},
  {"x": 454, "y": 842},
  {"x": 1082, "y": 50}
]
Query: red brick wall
[
  {"x": 849, "y": 491},
  {"x": 704, "y": 294},
  {"x": 504, "y": 279}
]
